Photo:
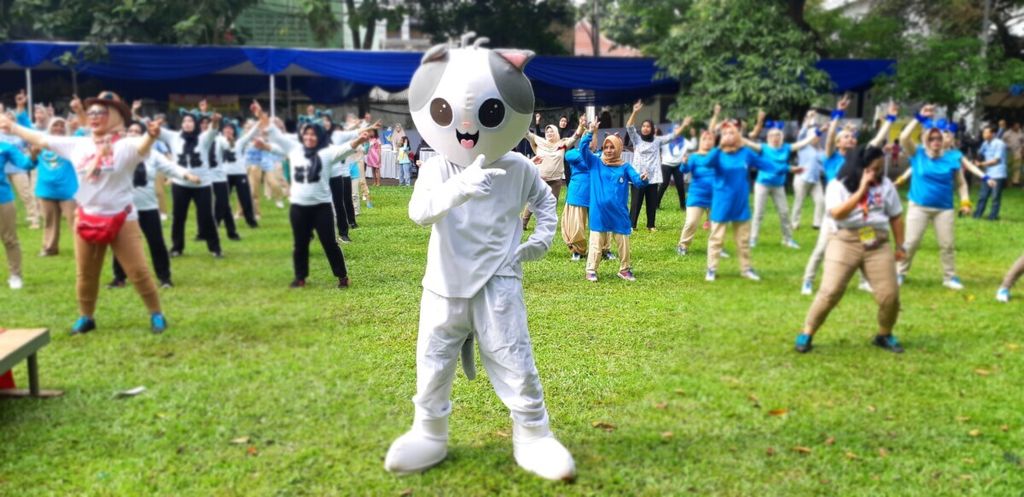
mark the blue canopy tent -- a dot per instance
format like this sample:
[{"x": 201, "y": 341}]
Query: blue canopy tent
[{"x": 333, "y": 76}]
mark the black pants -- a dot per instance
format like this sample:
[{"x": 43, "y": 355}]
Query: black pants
[
  {"x": 350, "y": 208},
  {"x": 203, "y": 198},
  {"x": 222, "y": 208},
  {"x": 637, "y": 197},
  {"x": 341, "y": 202},
  {"x": 678, "y": 178},
  {"x": 240, "y": 182},
  {"x": 149, "y": 223},
  {"x": 305, "y": 219}
]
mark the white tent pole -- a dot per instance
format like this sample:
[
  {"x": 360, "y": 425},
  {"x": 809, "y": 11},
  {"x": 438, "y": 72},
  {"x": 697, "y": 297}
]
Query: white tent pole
[
  {"x": 273, "y": 107},
  {"x": 28, "y": 92},
  {"x": 74, "y": 82}
]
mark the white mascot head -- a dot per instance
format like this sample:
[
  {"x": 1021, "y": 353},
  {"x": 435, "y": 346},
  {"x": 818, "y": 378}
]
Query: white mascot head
[{"x": 471, "y": 101}]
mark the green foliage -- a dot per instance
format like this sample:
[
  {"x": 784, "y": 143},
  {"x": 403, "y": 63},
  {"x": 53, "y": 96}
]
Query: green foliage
[
  {"x": 875, "y": 36},
  {"x": 638, "y": 23},
  {"x": 529, "y": 24},
  {"x": 742, "y": 53},
  {"x": 99, "y": 22},
  {"x": 947, "y": 72},
  {"x": 257, "y": 390}
]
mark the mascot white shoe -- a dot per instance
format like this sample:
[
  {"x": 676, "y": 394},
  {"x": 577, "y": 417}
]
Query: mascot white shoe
[{"x": 472, "y": 105}]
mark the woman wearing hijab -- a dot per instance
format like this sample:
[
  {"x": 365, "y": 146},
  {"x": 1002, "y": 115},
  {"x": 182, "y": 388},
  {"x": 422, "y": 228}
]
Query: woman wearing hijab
[
  {"x": 105, "y": 163},
  {"x": 310, "y": 193},
  {"x": 191, "y": 149},
  {"x": 144, "y": 199},
  {"x": 56, "y": 185},
  {"x": 550, "y": 158},
  {"x": 838, "y": 143},
  {"x": 647, "y": 159},
  {"x": 608, "y": 217},
  {"x": 866, "y": 213}
]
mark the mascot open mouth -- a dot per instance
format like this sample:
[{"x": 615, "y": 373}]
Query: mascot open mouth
[{"x": 467, "y": 140}]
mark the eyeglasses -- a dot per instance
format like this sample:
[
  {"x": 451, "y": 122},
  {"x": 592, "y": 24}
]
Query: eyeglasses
[
  {"x": 935, "y": 139},
  {"x": 97, "y": 113}
]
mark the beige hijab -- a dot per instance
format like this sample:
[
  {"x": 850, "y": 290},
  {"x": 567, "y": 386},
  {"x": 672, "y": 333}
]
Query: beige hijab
[{"x": 615, "y": 158}]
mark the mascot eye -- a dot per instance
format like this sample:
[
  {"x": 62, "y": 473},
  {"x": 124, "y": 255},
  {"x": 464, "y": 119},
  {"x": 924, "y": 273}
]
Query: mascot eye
[
  {"x": 441, "y": 112},
  {"x": 492, "y": 112}
]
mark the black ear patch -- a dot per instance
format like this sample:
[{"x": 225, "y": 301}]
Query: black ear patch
[
  {"x": 427, "y": 76},
  {"x": 513, "y": 86}
]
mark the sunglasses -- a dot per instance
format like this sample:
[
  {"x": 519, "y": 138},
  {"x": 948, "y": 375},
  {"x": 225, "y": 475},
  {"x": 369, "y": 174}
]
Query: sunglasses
[{"x": 97, "y": 113}]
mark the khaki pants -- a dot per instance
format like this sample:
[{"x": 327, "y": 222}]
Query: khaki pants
[
  {"x": 598, "y": 240},
  {"x": 1014, "y": 164},
  {"x": 23, "y": 185},
  {"x": 800, "y": 190},
  {"x": 127, "y": 248},
  {"x": 574, "y": 228},
  {"x": 741, "y": 233},
  {"x": 1014, "y": 274},
  {"x": 556, "y": 188},
  {"x": 844, "y": 255},
  {"x": 9, "y": 237},
  {"x": 917, "y": 221},
  {"x": 778, "y": 196},
  {"x": 160, "y": 186},
  {"x": 53, "y": 211},
  {"x": 693, "y": 217}
]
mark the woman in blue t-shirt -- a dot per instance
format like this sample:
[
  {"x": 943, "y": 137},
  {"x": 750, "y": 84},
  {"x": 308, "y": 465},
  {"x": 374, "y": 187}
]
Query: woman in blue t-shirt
[
  {"x": 933, "y": 170},
  {"x": 730, "y": 200},
  {"x": 56, "y": 185},
  {"x": 698, "y": 194},
  {"x": 773, "y": 184}
]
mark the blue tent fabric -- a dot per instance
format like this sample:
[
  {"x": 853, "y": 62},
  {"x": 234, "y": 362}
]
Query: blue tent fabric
[{"x": 343, "y": 74}]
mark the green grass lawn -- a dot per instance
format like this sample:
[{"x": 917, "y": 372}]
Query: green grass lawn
[{"x": 261, "y": 390}]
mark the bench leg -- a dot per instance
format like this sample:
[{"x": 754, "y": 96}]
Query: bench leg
[{"x": 33, "y": 376}]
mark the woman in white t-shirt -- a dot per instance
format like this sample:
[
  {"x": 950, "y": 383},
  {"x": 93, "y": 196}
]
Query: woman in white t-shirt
[
  {"x": 191, "y": 149},
  {"x": 863, "y": 206},
  {"x": 310, "y": 193},
  {"x": 105, "y": 163}
]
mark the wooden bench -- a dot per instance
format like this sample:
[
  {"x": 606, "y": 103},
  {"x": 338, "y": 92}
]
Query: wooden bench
[{"x": 16, "y": 345}]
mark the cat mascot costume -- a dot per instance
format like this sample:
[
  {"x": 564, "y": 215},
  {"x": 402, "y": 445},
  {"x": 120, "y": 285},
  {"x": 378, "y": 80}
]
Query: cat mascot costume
[{"x": 473, "y": 105}]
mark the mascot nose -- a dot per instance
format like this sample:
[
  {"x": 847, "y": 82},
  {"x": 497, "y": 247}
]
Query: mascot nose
[{"x": 465, "y": 125}]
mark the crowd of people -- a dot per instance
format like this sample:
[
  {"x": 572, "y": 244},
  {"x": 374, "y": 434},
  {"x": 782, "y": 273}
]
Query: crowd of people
[{"x": 104, "y": 167}]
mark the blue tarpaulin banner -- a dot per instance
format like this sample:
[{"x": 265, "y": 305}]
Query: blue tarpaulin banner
[{"x": 333, "y": 76}]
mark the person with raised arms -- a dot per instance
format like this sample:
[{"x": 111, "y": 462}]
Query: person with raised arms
[
  {"x": 647, "y": 160},
  {"x": 866, "y": 213},
  {"x": 105, "y": 163},
  {"x": 934, "y": 168}
]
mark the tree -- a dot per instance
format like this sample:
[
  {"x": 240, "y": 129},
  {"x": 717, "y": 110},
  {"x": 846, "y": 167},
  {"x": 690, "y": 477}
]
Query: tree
[
  {"x": 949, "y": 72},
  {"x": 530, "y": 24},
  {"x": 98, "y": 22},
  {"x": 741, "y": 53}
]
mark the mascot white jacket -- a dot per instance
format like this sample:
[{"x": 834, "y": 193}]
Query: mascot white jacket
[{"x": 473, "y": 105}]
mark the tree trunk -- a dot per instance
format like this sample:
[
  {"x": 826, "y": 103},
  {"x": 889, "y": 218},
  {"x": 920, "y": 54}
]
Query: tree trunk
[
  {"x": 353, "y": 23},
  {"x": 371, "y": 29}
]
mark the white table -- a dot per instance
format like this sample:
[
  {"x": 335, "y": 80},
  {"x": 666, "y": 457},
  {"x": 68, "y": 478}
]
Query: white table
[{"x": 388, "y": 163}]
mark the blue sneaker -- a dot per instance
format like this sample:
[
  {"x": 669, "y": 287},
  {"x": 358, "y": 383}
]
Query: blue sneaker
[
  {"x": 803, "y": 343},
  {"x": 85, "y": 324},
  {"x": 158, "y": 323},
  {"x": 751, "y": 275},
  {"x": 681, "y": 251},
  {"x": 1003, "y": 295},
  {"x": 710, "y": 275},
  {"x": 888, "y": 342},
  {"x": 900, "y": 279}
]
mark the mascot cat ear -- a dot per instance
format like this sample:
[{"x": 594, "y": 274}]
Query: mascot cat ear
[
  {"x": 437, "y": 53},
  {"x": 518, "y": 58}
]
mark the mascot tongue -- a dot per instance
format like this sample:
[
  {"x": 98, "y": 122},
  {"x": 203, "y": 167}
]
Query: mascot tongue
[{"x": 467, "y": 143}]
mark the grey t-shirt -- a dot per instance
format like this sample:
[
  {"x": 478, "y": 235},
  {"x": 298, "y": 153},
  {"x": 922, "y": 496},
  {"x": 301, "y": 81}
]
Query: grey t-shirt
[{"x": 883, "y": 203}]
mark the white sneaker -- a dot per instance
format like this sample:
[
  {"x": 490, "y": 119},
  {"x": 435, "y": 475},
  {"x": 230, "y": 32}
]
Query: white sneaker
[
  {"x": 1003, "y": 295},
  {"x": 279, "y": 204},
  {"x": 163, "y": 217},
  {"x": 864, "y": 286},
  {"x": 537, "y": 451},
  {"x": 710, "y": 275},
  {"x": 953, "y": 284},
  {"x": 751, "y": 275},
  {"x": 419, "y": 449},
  {"x": 807, "y": 288},
  {"x": 15, "y": 282},
  {"x": 753, "y": 242},
  {"x": 723, "y": 254},
  {"x": 790, "y": 243}
]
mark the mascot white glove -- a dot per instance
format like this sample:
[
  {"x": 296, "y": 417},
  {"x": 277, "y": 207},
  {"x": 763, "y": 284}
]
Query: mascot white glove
[{"x": 474, "y": 181}]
